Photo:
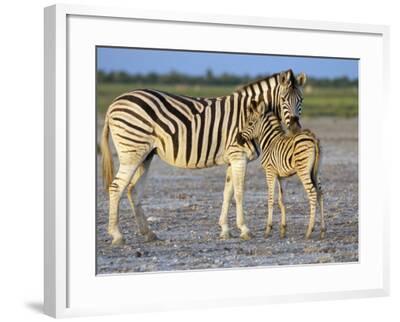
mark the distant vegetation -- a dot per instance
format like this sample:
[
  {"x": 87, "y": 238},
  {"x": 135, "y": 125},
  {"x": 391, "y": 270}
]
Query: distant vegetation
[
  {"x": 322, "y": 97},
  {"x": 174, "y": 78}
]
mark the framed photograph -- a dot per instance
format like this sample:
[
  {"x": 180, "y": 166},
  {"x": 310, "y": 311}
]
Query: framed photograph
[{"x": 201, "y": 161}]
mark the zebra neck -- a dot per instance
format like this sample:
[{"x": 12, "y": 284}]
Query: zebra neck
[
  {"x": 241, "y": 101},
  {"x": 267, "y": 90},
  {"x": 270, "y": 132}
]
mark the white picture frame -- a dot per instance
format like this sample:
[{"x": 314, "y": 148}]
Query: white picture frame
[{"x": 71, "y": 287}]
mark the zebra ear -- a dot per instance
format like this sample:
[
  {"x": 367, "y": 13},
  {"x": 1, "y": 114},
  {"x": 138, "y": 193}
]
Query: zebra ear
[
  {"x": 257, "y": 107},
  {"x": 260, "y": 109},
  {"x": 253, "y": 106},
  {"x": 301, "y": 79},
  {"x": 284, "y": 78}
]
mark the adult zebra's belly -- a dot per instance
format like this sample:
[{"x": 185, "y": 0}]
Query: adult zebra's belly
[
  {"x": 221, "y": 158},
  {"x": 181, "y": 162}
]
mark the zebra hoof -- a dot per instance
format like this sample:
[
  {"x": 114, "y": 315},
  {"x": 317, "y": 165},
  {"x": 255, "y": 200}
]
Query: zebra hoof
[
  {"x": 246, "y": 235},
  {"x": 120, "y": 241},
  {"x": 322, "y": 234},
  {"x": 282, "y": 231},
  {"x": 150, "y": 236},
  {"x": 225, "y": 235},
  {"x": 267, "y": 231}
]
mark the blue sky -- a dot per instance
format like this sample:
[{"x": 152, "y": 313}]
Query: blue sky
[{"x": 196, "y": 63}]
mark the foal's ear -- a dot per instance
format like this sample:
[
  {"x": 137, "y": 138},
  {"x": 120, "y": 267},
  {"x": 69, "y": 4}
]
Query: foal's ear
[
  {"x": 257, "y": 107},
  {"x": 301, "y": 79},
  {"x": 253, "y": 106}
]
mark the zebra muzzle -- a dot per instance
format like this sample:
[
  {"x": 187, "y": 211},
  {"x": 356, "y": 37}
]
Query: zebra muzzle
[
  {"x": 294, "y": 125},
  {"x": 240, "y": 139}
]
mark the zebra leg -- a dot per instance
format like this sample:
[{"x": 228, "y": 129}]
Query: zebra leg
[
  {"x": 130, "y": 191},
  {"x": 238, "y": 176},
  {"x": 283, "y": 210},
  {"x": 135, "y": 193},
  {"x": 312, "y": 198},
  {"x": 228, "y": 192},
  {"x": 117, "y": 187},
  {"x": 320, "y": 197},
  {"x": 271, "y": 191}
]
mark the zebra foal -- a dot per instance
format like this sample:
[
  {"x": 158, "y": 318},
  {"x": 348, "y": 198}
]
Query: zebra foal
[{"x": 283, "y": 155}]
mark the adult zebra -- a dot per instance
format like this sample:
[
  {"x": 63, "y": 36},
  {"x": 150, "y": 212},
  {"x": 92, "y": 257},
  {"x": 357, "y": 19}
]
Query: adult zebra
[
  {"x": 283, "y": 156},
  {"x": 189, "y": 133}
]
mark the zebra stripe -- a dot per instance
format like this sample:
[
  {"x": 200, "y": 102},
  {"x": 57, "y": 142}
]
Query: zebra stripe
[{"x": 283, "y": 156}]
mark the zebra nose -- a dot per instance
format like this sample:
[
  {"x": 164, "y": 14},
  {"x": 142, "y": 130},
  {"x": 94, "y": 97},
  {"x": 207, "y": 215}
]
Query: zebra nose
[
  {"x": 294, "y": 125},
  {"x": 294, "y": 119},
  {"x": 240, "y": 139}
]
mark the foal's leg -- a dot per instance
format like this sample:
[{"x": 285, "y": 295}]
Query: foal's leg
[
  {"x": 238, "y": 165},
  {"x": 320, "y": 197},
  {"x": 228, "y": 192},
  {"x": 311, "y": 191},
  {"x": 270, "y": 177},
  {"x": 283, "y": 210},
  {"x": 135, "y": 193}
]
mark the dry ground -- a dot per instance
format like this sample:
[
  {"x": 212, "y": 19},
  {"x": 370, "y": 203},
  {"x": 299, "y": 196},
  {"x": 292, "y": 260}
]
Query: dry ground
[{"x": 183, "y": 208}]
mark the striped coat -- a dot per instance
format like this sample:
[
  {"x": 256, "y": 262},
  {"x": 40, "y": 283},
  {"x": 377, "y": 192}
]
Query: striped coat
[{"x": 186, "y": 132}]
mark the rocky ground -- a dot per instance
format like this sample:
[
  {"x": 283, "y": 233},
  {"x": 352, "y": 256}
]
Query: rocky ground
[{"x": 183, "y": 208}]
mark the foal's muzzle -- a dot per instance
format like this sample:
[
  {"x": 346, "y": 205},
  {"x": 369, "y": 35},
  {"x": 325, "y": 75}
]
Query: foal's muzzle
[{"x": 294, "y": 125}]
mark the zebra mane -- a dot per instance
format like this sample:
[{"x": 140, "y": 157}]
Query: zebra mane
[{"x": 245, "y": 86}]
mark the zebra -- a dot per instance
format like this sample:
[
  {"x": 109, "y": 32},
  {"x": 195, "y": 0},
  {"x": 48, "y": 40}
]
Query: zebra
[
  {"x": 189, "y": 133},
  {"x": 283, "y": 155}
]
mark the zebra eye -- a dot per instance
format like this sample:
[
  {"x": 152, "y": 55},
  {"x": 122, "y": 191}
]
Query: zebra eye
[{"x": 251, "y": 123}]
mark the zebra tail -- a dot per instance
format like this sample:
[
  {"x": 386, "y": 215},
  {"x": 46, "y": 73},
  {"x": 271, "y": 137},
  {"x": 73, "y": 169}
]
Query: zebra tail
[{"x": 106, "y": 157}]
